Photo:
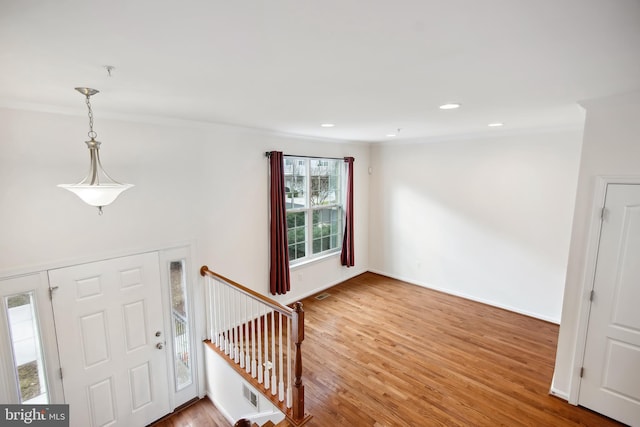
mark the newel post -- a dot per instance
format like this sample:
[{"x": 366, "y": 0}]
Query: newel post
[{"x": 298, "y": 336}]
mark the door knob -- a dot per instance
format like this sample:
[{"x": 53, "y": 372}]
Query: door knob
[{"x": 159, "y": 346}]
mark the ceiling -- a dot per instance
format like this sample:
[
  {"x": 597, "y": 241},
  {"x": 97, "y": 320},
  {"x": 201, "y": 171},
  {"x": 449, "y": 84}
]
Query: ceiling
[{"x": 370, "y": 67}]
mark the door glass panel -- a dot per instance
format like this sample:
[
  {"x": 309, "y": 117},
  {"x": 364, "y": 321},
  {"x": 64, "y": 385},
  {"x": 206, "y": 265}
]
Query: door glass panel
[
  {"x": 180, "y": 325},
  {"x": 27, "y": 349}
]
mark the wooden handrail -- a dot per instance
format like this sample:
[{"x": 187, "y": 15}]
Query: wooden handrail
[
  {"x": 294, "y": 409},
  {"x": 204, "y": 271}
]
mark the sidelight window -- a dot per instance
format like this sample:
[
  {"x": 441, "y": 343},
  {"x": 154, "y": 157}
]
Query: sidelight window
[
  {"x": 182, "y": 356},
  {"x": 26, "y": 348}
]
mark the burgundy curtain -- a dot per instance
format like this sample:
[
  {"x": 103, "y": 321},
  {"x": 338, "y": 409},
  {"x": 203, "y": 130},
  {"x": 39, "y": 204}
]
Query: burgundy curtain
[
  {"x": 347, "y": 257},
  {"x": 279, "y": 271}
]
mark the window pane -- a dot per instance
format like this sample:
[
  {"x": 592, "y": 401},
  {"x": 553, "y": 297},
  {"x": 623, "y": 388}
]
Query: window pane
[
  {"x": 295, "y": 182},
  {"x": 180, "y": 325},
  {"x": 296, "y": 226},
  {"x": 325, "y": 181},
  {"x": 26, "y": 347},
  {"x": 296, "y": 251},
  {"x": 327, "y": 230}
]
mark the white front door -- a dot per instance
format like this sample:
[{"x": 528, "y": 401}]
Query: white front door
[
  {"x": 111, "y": 338},
  {"x": 610, "y": 381}
]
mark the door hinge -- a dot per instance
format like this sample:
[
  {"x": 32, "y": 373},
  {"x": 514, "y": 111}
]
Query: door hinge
[
  {"x": 591, "y": 295},
  {"x": 51, "y": 289},
  {"x": 602, "y": 213},
  {"x": 581, "y": 372},
  {"x": 60, "y": 373}
]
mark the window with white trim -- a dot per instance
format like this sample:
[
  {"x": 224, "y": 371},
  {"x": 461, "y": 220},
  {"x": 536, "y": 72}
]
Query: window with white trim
[{"x": 314, "y": 200}]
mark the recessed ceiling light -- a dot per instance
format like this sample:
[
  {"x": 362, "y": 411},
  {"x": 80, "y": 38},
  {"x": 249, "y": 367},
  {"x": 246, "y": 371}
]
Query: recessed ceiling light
[
  {"x": 495, "y": 125},
  {"x": 391, "y": 135},
  {"x": 451, "y": 106},
  {"x": 327, "y": 125}
]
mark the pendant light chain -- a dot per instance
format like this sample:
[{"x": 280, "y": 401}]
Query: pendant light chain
[{"x": 92, "y": 134}]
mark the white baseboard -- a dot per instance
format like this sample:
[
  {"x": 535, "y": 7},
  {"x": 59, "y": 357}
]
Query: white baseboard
[
  {"x": 470, "y": 297},
  {"x": 220, "y": 408},
  {"x": 324, "y": 287},
  {"x": 559, "y": 393}
]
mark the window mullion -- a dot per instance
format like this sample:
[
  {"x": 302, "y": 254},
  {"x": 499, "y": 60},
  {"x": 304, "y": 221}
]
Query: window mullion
[{"x": 308, "y": 214}]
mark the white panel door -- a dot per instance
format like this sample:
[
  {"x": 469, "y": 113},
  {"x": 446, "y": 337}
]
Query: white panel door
[
  {"x": 109, "y": 321},
  {"x": 611, "y": 377}
]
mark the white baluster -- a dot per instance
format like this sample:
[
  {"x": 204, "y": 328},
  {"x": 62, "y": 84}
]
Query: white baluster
[
  {"x": 280, "y": 357},
  {"x": 209, "y": 299},
  {"x": 213, "y": 311},
  {"x": 221, "y": 308},
  {"x": 227, "y": 328},
  {"x": 232, "y": 326},
  {"x": 236, "y": 353},
  {"x": 238, "y": 319},
  {"x": 289, "y": 357},
  {"x": 247, "y": 319},
  {"x": 223, "y": 317},
  {"x": 254, "y": 371},
  {"x": 266, "y": 349},
  {"x": 260, "y": 371},
  {"x": 274, "y": 379},
  {"x": 241, "y": 324}
]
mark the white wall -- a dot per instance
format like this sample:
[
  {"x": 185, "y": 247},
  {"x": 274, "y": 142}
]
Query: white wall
[
  {"x": 487, "y": 219},
  {"x": 611, "y": 148},
  {"x": 224, "y": 388},
  {"x": 198, "y": 183}
]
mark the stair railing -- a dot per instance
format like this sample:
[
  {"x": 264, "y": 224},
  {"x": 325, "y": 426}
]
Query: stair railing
[{"x": 261, "y": 338}]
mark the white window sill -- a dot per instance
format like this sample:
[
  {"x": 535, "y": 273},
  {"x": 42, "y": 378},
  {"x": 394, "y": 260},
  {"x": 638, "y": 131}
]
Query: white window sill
[{"x": 314, "y": 260}]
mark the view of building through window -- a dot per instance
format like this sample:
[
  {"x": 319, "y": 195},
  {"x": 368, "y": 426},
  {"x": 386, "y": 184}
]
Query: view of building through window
[{"x": 313, "y": 196}]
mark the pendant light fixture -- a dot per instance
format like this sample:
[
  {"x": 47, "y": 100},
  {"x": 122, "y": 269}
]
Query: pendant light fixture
[{"x": 97, "y": 188}]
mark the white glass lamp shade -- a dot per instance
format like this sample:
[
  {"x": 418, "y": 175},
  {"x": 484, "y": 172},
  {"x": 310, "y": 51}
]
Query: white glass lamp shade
[
  {"x": 97, "y": 195},
  {"x": 97, "y": 188}
]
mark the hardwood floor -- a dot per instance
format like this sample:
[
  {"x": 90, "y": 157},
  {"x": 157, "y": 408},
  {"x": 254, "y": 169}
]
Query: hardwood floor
[
  {"x": 380, "y": 352},
  {"x": 201, "y": 413}
]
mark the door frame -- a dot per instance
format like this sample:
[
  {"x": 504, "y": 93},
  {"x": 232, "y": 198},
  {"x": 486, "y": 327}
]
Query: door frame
[{"x": 588, "y": 276}]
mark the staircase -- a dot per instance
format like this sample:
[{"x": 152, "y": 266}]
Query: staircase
[{"x": 261, "y": 339}]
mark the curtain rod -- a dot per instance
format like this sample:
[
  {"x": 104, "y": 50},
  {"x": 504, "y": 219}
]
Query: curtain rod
[{"x": 268, "y": 154}]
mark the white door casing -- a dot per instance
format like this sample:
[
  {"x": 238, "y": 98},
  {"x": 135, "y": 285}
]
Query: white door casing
[
  {"x": 611, "y": 377},
  {"x": 108, "y": 315}
]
